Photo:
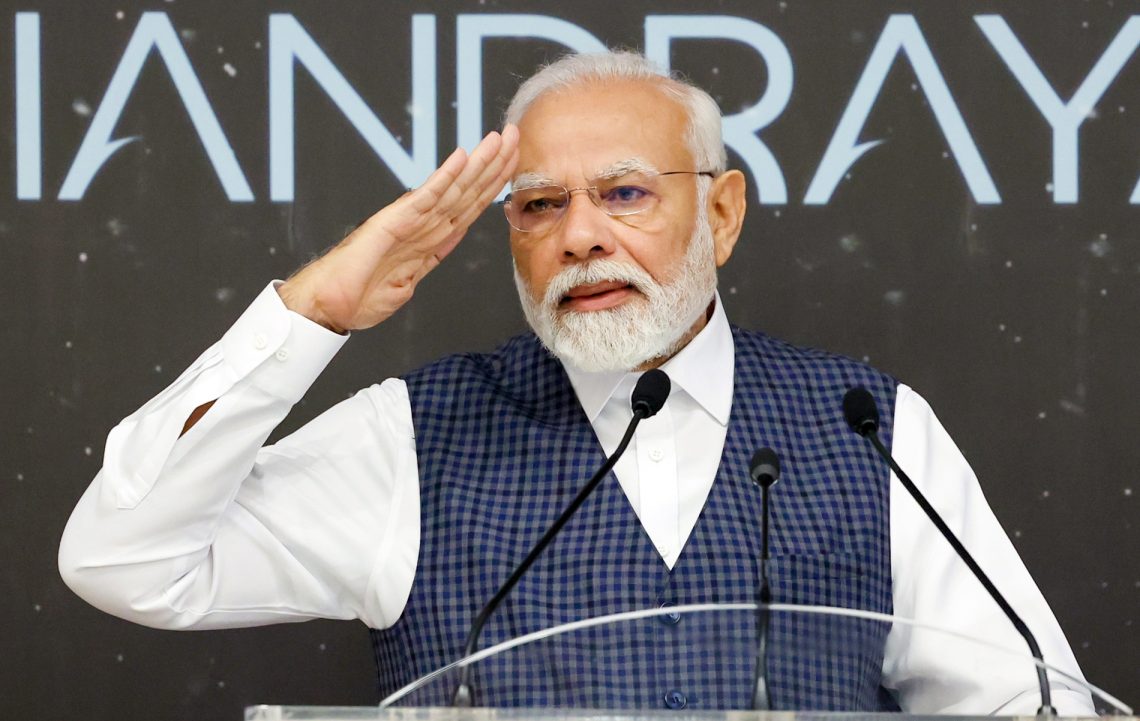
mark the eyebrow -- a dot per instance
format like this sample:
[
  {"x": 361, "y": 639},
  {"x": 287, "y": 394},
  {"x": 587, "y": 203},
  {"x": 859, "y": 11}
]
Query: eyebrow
[
  {"x": 628, "y": 165},
  {"x": 531, "y": 180},
  {"x": 616, "y": 169}
]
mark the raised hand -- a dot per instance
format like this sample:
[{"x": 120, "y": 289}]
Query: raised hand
[{"x": 375, "y": 270}]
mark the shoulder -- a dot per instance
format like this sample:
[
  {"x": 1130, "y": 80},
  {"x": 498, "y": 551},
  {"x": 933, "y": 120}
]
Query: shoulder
[
  {"x": 521, "y": 371},
  {"x": 806, "y": 365},
  {"x": 513, "y": 356}
]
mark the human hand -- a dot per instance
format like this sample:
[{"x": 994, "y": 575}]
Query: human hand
[{"x": 366, "y": 277}]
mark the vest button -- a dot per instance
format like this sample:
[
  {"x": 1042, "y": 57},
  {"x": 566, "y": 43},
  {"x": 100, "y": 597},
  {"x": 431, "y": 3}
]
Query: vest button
[
  {"x": 669, "y": 619},
  {"x": 676, "y": 700}
]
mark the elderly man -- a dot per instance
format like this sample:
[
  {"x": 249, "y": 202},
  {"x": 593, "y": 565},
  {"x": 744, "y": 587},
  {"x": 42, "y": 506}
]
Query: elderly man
[{"x": 408, "y": 504}]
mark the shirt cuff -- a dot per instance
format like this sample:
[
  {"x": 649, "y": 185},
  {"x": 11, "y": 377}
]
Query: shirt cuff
[{"x": 277, "y": 350}]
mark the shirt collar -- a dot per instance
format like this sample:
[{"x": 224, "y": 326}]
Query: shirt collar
[{"x": 703, "y": 369}]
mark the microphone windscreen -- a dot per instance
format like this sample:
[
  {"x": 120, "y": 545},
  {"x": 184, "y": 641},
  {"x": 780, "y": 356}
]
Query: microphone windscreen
[
  {"x": 650, "y": 393},
  {"x": 765, "y": 467},
  {"x": 860, "y": 411}
]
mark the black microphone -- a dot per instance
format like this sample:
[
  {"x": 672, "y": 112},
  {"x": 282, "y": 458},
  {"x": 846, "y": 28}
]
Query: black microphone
[
  {"x": 764, "y": 470},
  {"x": 863, "y": 416},
  {"x": 649, "y": 396}
]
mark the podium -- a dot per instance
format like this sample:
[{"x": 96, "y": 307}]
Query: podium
[
  {"x": 372, "y": 713},
  {"x": 699, "y": 662}
]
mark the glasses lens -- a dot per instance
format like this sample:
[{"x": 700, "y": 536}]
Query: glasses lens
[
  {"x": 627, "y": 194},
  {"x": 534, "y": 209}
]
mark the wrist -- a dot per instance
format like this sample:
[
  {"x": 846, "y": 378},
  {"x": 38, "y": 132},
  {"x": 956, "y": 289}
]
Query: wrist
[{"x": 305, "y": 304}]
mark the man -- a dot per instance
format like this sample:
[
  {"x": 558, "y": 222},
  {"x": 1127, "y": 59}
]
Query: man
[{"x": 407, "y": 505}]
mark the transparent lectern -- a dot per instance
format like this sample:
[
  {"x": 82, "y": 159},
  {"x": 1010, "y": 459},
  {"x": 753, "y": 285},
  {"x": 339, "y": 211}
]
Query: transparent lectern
[{"x": 585, "y": 667}]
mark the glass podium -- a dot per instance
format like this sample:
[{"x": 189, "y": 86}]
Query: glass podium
[{"x": 699, "y": 661}]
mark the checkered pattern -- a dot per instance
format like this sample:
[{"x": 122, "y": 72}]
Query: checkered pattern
[{"x": 504, "y": 446}]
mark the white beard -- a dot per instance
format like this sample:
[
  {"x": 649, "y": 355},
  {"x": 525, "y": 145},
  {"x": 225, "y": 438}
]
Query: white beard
[{"x": 642, "y": 329}]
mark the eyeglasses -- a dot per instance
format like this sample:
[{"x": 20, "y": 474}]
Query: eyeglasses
[{"x": 538, "y": 209}]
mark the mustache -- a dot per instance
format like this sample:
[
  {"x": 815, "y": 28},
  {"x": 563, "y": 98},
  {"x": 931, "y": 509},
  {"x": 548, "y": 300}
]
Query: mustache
[{"x": 596, "y": 271}]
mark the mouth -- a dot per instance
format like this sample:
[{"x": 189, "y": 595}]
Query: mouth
[{"x": 597, "y": 296}]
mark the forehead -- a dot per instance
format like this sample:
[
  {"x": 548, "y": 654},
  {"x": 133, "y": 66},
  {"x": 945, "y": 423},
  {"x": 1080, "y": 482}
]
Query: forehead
[{"x": 574, "y": 133}]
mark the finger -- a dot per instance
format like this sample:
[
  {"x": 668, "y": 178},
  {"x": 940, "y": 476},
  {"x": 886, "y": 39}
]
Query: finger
[
  {"x": 430, "y": 263},
  {"x": 431, "y": 213},
  {"x": 446, "y": 187},
  {"x": 508, "y": 143},
  {"x": 448, "y": 204},
  {"x": 472, "y": 212},
  {"x": 491, "y": 179},
  {"x": 497, "y": 174},
  {"x": 506, "y": 170},
  {"x": 433, "y": 189},
  {"x": 510, "y": 136},
  {"x": 490, "y": 189},
  {"x": 475, "y": 201},
  {"x": 483, "y": 155}
]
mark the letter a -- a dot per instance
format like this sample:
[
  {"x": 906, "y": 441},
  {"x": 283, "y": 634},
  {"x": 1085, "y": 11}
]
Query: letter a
[
  {"x": 900, "y": 34},
  {"x": 154, "y": 31}
]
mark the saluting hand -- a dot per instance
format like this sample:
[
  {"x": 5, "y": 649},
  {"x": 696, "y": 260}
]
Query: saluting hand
[{"x": 374, "y": 271}]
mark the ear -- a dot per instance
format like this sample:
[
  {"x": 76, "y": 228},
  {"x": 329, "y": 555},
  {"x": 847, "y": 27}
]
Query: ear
[{"x": 726, "y": 206}]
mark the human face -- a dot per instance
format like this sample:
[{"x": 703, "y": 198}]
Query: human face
[
  {"x": 571, "y": 138},
  {"x": 633, "y": 335}
]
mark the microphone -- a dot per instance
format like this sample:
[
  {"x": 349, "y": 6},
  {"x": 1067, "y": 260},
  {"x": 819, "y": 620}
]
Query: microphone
[
  {"x": 765, "y": 471},
  {"x": 650, "y": 393},
  {"x": 648, "y": 397},
  {"x": 863, "y": 416}
]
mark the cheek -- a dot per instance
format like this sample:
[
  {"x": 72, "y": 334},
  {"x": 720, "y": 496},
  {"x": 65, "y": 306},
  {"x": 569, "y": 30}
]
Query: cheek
[
  {"x": 660, "y": 253},
  {"x": 669, "y": 229}
]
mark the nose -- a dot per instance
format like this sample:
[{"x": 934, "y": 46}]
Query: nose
[{"x": 584, "y": 231}]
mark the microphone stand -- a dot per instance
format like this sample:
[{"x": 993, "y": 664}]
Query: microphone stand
[
  {"x": 1042, "y": 680},
  {"x": 657, "y": 384},
  {"x": 761, "y": 701},
  {"x": 863, "y": 416},
  {"x": 764, "y": 470}
]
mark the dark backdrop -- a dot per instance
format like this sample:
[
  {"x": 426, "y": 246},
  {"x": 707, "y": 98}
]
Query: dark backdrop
[{"x": 1017, "y": 319}]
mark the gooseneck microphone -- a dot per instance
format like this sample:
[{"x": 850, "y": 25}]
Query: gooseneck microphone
[
  {"x": 649, "y": 396},
  {"x": 863, "y": 416},
  {"x": 764, "y": 470}
]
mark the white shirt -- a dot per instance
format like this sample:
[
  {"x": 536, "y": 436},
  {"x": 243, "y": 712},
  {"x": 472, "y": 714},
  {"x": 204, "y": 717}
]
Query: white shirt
[{"x": 212, "y": 530}]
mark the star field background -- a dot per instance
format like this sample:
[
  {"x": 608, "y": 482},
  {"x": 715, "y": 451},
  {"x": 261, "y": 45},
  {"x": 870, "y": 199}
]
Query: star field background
[{"x": 1018, "y": 321}]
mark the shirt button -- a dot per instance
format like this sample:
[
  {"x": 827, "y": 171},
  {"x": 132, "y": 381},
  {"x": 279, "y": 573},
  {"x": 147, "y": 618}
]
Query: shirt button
[
  {"x": 282, "y": 354},
  {"x": 259, "y": 341},
  {"x": 676, "y": 700},
  {"x": 656, "y": 454},
  {"x": 669, "y": 619}
]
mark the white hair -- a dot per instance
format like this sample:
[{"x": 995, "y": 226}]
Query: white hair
[{"x": 703, "y": 135}]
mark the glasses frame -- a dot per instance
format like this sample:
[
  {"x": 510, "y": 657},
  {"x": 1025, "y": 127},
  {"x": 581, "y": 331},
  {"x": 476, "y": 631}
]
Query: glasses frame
[{"x": 595, "y": 198}]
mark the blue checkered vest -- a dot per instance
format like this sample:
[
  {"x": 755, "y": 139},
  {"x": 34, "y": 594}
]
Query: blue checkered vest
[{"x": 504, "y": 446}]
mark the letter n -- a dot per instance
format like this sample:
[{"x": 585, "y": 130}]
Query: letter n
[{"x": 288, "y": 42}]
